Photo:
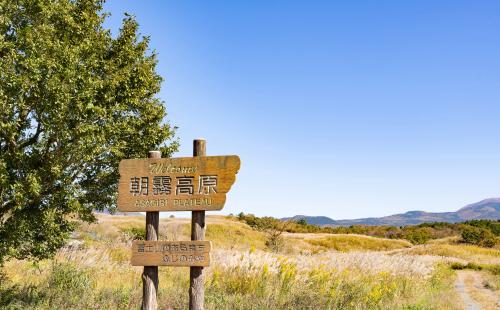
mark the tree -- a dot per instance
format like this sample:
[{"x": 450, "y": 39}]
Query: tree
[
  {"x": 74, "y": 101},
  {"x": 302, "y": 222},
  {"x": 478, "y": 236},
  {"x": 417, "y": 235},
  {"x": 274, "y": 230}
]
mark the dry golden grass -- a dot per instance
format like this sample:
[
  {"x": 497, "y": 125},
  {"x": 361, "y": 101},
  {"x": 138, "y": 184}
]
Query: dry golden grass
[
  {"x": 492, "y": 281},
  {"x": 86, "y": 278},
  {"x": 468, "y": 253},
  {"x": 350, "y": 242},
  {"x": 316, "y": 271},
  {"x": 222, "y": 231}
]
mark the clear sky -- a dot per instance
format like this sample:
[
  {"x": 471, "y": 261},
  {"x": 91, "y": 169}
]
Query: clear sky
[{"x": 339, "y": 108}]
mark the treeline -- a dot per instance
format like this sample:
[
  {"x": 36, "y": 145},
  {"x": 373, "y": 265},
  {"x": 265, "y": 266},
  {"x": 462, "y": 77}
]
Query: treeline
[{"x": 485, "y": 233}]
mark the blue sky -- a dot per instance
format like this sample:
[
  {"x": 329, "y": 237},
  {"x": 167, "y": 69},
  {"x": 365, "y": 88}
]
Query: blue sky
[{"x": 339, "y": 108}]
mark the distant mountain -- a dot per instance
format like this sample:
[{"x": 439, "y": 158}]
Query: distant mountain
[{"x": 486, "y": 209}]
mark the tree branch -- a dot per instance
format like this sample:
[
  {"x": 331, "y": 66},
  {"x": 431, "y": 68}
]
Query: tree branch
[{"x": 34, "y": 138}]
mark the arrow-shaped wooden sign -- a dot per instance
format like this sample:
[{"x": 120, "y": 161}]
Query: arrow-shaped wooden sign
[{"x": 176, "y": 184}]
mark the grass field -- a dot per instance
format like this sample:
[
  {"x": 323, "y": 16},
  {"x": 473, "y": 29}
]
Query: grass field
[{"x": 314, "y": 271}]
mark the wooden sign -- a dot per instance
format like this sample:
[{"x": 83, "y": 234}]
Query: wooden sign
[
  {"x": 171, "y": 253},
  {"x": 176, "y": 184}
]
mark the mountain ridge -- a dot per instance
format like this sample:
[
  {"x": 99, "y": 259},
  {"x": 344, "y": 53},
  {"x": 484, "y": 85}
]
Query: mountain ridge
[{"x": 484, "y": 209}]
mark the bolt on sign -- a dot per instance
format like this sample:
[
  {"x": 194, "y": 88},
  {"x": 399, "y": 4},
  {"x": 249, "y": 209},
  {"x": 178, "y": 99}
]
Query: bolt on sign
[
  {"x": 176, "y": 184},
  {"x": 171, "y": 253}
]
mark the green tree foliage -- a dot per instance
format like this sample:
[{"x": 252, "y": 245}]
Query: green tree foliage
[
  {"x": 302, "y": 222},
  {"x": 493, "y": 226},
  {"x": 74, "y": 101},
  {"x": 478, "y": 236},
  {"x": 417, "y": 235}
]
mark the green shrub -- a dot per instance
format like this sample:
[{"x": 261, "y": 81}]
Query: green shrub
[
  {"x": 471, "y": 266},
  {"x": 69, "y": 286},
  {"x": 274, "y": 241},
  {"x": 135, "y": 233},
  {"x": 478, "y": 236},
  {"x": 493, "y": 226},
  {"x": 418, "y": 235},
  {"x": 302, "y": 222}
]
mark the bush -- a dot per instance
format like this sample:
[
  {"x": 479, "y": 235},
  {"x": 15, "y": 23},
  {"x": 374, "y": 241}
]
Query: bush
[
  {"x": 274, "y": 240},
  {"x": 493, "y": 226},
  {"x": 471, "y": 266},
  {"x": 69, "y": 286},
  {"x": 418, "y": 235},
  {"x": 135, "y": 233},
  {"x": 478, "y": 236},
  {"x": 302, "y": 222}
]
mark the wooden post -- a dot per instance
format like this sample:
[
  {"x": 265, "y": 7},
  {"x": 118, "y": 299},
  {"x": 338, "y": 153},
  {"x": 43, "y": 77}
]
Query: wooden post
[
  {"x": 196, "y": 279},
  {"x": 150, "y": 274}
]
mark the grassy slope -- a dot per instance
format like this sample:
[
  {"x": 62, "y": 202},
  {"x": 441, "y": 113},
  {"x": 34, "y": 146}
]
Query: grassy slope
[
  {"x": 346, "y": 243},
  {"x": 228, "y": 233},
  {"x": 469, "y": 253}
]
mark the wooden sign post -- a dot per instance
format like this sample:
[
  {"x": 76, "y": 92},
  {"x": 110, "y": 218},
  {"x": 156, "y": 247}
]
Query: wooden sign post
[
  {"x": 155, "y": 184},
  {"x": 196, "y": 279},
  {"x": 150, "y": 273}
]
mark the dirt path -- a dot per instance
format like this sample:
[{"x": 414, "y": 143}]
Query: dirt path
[{"x": 470, "y": 286}]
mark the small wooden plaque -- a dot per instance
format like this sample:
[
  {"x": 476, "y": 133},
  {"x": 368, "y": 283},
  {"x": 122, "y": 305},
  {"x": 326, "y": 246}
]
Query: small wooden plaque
[
  {"x": 171, "y": 253},
  {"x": 176, "y": 184}
]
